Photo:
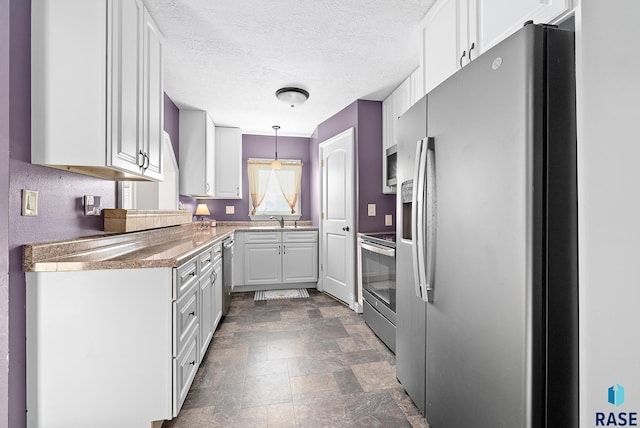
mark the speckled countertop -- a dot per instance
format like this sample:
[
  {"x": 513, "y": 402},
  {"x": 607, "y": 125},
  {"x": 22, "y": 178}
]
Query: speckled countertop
[{"x": 165, "y": 247}]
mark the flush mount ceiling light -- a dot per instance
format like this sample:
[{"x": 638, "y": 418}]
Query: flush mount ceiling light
[
  {"x": 292, "y": 96},
  {"x": 276, "y": 163}
]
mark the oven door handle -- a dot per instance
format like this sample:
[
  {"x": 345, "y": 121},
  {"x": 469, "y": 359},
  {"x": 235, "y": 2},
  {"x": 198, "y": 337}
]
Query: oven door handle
[{"x": 378, "y": 250}]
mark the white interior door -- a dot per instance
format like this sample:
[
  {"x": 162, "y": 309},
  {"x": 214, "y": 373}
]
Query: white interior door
[{"x": 337, "y": 217}]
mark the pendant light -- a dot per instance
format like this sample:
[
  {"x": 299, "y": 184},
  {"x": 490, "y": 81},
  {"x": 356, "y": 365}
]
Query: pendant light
[{"x": 276, "y": 163}]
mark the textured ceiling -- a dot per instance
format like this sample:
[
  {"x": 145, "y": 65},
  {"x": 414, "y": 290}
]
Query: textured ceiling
[{"x": 230, "y": 56}]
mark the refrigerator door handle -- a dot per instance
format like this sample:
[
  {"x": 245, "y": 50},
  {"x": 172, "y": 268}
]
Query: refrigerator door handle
[
  {"x": 415, "y": 219},
  {"x": 420, "y": 220},
  {"x": 430, "y": 214}
]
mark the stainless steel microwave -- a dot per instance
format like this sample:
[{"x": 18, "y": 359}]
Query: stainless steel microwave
[{"x": 392, "y": 165}]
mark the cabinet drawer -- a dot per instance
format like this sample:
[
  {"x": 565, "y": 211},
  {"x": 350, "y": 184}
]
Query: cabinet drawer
[
  {"x": 306, "y": 236},
  {"x": 185, "y": 367},
  {"x": 206, "y": 262},
  {"x": 186, "y": 317},
  {"x": 186, "y": 277},
  {"x": 217, "y": 252},
  {"x": 262, "y": 237}
]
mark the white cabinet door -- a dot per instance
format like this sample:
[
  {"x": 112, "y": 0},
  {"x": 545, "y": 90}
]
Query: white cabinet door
[
  {"x": 88, "y": 61},
  {"x": 401, "y": 103},
  {"x": 299, "y": 262},
  {"x": 217, "y": 294},
  {"x": 394, "y": 106},
  {"x": 228, "y": 163},
  {"x": 206, "y": 311},
  {"x": 455, "y": 32},
  {"x": 388, "y": 130},
  {"x": 262, "y": 264},
  {"x": 440, "y": 34},
  {"x": 127, "y": 149},
  {"x": 497, "y": 19},
  {"x": 153, "y": 99},
  {"x": 197, "y": 139},
  {"x": 417, "y": 85}
]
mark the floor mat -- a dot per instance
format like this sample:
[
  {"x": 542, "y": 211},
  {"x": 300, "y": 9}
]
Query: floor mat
[{"x": 293, "y": 293}]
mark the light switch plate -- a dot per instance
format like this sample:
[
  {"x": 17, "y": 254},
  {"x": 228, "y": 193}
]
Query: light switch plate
[
  {"x": 371, "y": 210},
  {"x": 230, "y": 209},
  {"x": 92, "y": 205},
  {"x": 388, "y": 220},
  {"x": 29, "y": 202}
]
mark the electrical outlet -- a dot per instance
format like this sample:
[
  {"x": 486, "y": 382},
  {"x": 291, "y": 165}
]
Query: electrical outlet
[
  {"x": 371, "y": 210},
  {"x": 29, "y": 203},
  {"x": 230, "y": 209},
  {"x": 388, "y": 220}
]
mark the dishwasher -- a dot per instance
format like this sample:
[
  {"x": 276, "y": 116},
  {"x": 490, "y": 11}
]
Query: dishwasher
[{"x": 227, "y": 273}]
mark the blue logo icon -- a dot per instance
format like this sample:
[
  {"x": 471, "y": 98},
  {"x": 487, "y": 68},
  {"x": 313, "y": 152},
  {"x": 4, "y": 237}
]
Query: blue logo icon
[{"x": 616, "y": 395}]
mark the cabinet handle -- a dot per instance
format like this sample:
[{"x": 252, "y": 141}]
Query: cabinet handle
[
  {"x": 192, "y": 273},
  {"x": 146, "y": 161},
  {"x": 278, "y": 249},
  {"x": 192, "y": 363},
  {"x": 192, "y": 314},
  {"x": 208, "y": 187},
  {"x": 473, "y": 46},
  {"x": 214, "y": 277},
  {"x": 464, "y": 53},
  {"x": 284, "y": 249},
  {"x": 237, "y": 191},
  {"x": 140, "y": 153}
]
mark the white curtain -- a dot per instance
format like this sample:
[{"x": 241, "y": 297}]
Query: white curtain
[
  {"x": 289, "y": 177},
  {"x": 259, "y": 173}
]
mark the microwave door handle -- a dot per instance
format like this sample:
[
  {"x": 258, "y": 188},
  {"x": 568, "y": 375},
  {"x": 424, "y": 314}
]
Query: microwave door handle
[
  {"x": 430, "y": 218},
  {"x": 378, "y": 250}
]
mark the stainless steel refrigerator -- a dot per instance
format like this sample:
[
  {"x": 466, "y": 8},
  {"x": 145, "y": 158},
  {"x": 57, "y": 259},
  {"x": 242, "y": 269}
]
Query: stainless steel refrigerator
[{"x": 493, "y": 227}]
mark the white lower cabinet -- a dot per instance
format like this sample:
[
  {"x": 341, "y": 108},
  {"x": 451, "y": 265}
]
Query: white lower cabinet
[
  {"x": 118, "y": 347},
  {"x": 299, "y": 262},
  {"x": 263, "y": 263},
  {"x": 275, "y": 257}
]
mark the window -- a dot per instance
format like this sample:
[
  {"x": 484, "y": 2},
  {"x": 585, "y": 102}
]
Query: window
[{"x": 274, "y": 192}]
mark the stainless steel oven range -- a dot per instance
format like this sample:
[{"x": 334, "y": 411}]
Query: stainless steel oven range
[{"x": 377, "y": 276}]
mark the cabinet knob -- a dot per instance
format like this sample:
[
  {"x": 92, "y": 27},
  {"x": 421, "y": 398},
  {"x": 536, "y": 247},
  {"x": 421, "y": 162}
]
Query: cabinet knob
[
  {"x": 192, "y": 313},
  {"x": 192, "y": 273},
  {"x": 192, "y": 363}
]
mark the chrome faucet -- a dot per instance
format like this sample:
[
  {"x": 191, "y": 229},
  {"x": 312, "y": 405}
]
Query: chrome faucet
[{"x": 279, "y": 220}]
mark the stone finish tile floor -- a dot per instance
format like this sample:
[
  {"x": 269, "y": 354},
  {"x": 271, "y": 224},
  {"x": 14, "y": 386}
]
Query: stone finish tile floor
[{"x": 308, "y": 362}]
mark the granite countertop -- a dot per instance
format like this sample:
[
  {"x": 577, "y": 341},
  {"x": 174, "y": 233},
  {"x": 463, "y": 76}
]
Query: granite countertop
[{"x": 165, "y": 247}]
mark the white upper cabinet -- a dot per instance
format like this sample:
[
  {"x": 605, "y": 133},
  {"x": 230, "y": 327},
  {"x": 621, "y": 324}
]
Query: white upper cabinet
[
  {"x": 197, "y": 138},
  {"x": 455, "y": 32},
  {"x": 210, "y": 157},
  {"x": 96, "y": 88},
  {"x": 228, "y": 163},
  {"x": 394, "y": 106}
]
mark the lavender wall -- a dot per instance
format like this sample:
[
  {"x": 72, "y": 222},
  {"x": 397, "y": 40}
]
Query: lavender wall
[
  {"x": 366, "y": 119},
  {"x": 4, "y": 212},
  {"x": 261, "y": 146}
]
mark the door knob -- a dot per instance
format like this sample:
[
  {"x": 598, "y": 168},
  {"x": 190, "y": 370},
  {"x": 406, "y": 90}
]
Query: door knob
[{"x": 346, "y": 228}]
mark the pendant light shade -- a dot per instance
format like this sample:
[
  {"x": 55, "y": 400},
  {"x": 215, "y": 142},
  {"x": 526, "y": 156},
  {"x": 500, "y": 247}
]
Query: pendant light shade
[{"x": 276, "y": 163}]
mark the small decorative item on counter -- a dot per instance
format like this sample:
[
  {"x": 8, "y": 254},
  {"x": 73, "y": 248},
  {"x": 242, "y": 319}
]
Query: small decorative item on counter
[{"x": 212, "y": 223}]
